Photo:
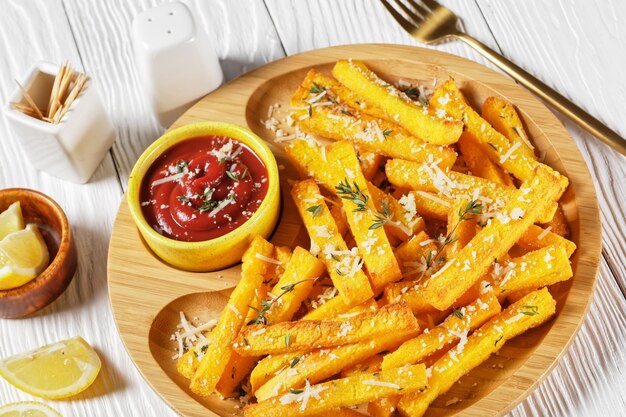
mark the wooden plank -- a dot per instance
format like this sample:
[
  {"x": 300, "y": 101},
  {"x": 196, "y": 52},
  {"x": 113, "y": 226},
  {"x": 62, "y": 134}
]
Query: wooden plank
[
  {"x": 243, "y": 34},
  {"x": 584, "y": 61},
  {"x": 589, "y": 380},
  {"x": 586, "y": 378},
  {"x": 32, "y": 31},
  {"x": 309, "y": 24}
]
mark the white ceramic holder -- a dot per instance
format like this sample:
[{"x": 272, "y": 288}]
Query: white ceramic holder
[
  {"x": 71, "y": 149},
  {"x": 176, "y": 59}
]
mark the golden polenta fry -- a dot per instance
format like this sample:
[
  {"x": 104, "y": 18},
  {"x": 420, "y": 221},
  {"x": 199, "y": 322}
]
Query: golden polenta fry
[
  {"x": 419, "y": 246},
  {"x": 219, "y": 350},
  {"x": 344, "y": 266},
  {"x": 310, "y": 400},
  {"x": 502, "y": 116},
  {"x": 347, "y": 99},
  {"x": 237, "y": 369},
  {"x": 415, "y": 118},
  {"x": 536, "y": 269},
  {"x": 558, "y": 224},
  {"x": 529, "y": 312},
  {"x": 448, "y": 98},
  {"x": 479, "y": 163},
  {"x": 438, "y": 207},
  {"x": 457, "y": 325},
  {"x": 537, "y": 237},
  {"x": 533, "y": 270},
  {"x": 339, "y": 171},
  {"x": 430, "y": 205},
  {"x": 402, "y": 223},
  {"x": 295, "y": 284},
  {"x": 371, "y": 364},
  {"x": 454, "y": 185},
  {"x": 332, "y": 309},
  {"x": 365, "y": 221},
  {"x": 370, "y": 163},
  {"x": 324, "y": 363},
  {"x": 270, "y": 365},
  {"x": 494, "y": 240},
  {"x": 373, "y": 135},
  {"x": 321, "y": 111},
  {"x": 329, "y": 309},
  {"x": 188, "y": 363},
  {"x": 303, "y": 335},
  {"x": 460, "y": 230}
]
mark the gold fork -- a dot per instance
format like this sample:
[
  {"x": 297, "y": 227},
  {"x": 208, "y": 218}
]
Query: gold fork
[{"x": 430, "y": 22}]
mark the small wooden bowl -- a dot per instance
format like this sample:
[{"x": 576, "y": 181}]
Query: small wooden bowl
[{"x": 42, "y": 210}]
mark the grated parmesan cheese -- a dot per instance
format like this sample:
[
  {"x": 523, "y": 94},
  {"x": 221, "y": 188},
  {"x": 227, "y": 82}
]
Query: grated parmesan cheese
[
  {"x": 377, "y": 383},
  {"x": 267, "y": 259},
  {"x": 433, "y": 198},
  {"x": 304, "y": 396},
  {"x": 322, "y": 231},
  {"x": 544, "y": 233}
]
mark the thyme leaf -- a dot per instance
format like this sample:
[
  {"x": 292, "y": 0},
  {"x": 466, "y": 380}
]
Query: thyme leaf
[{"x": 315, "y": 210}]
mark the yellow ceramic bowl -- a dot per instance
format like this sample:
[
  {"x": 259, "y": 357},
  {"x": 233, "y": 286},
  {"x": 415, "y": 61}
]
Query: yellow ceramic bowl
[{"x": 226, "y": 250}]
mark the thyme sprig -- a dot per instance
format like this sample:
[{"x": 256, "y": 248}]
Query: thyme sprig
[
  {"x": 267, "y": 304},
  {"x": 360, "y": 200},
  {"x": 530, "y": 310},
  {"x": 470, "y": 211},
  {"x": 345, "y": 191},
  {"x": 316, "y": 88}
]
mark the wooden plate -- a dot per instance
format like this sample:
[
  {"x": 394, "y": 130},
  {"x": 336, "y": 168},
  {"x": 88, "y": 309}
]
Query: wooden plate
[{"x": 147, "y": 295}]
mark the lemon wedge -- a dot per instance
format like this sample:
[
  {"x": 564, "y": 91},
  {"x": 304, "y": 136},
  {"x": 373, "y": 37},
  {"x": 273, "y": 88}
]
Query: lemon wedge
[
  {"x": 11, "y": 220},
  {"x": 28, "y": 409},
  {"x": 59, "y": 370},
  {"x": 23, "y": 255}
]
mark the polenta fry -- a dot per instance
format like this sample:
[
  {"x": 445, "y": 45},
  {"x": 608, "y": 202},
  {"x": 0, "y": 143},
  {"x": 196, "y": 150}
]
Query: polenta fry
[
  {"x": 343, "y": 265},
  {"x": 471, "y": 262},
  {"x": 502, "y": 116},
  {"x": 294, "y": 336},
  {"x": 460, "y": 322},
  {"x": 452, "y": 185},
  {"x": 324, "y": 363},
  {"x": 448, "y": 98},
  {"x": 479, "y": 163},
  {"x": 356, "y": 389},
  {"x": 529, "y": 312},
  {"x": 219, "y": 350},
  {"x": 396, "y": 105},
  {"x": 457, "y": 325}
]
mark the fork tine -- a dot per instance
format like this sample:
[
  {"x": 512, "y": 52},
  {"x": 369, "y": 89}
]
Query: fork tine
[
  {"x": 420, "y": 9},
  {"x": 416, "y": 18},
  {"x": 406, "y": 25},
  {"x": 432, "y": 4}
]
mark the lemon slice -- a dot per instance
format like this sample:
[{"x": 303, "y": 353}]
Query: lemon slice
[
  {"x": 11, "y": 220},
  {"x": 23, "y": 255},
  {"x": 54, "y": 371},
  {"x": 28, "y": 409}
]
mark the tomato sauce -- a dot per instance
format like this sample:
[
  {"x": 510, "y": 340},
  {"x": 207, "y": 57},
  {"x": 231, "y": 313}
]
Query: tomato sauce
[{"x": 203, "y": 188}]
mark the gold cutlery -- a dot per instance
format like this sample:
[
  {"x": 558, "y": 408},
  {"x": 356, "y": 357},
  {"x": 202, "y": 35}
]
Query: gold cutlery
[{"x": 430, "y": 22}]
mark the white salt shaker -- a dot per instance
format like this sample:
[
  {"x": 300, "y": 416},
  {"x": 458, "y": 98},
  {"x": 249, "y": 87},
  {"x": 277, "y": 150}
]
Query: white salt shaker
[
  {"x": 176, "y": 59},
  {"x": 71, "y": 149}
]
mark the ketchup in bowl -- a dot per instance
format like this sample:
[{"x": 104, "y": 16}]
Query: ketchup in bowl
[{"x": 202, "y": 188}]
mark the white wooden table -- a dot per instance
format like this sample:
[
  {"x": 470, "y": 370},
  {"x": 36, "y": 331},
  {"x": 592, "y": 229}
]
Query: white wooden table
[{"x": 577, "y": 46}]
